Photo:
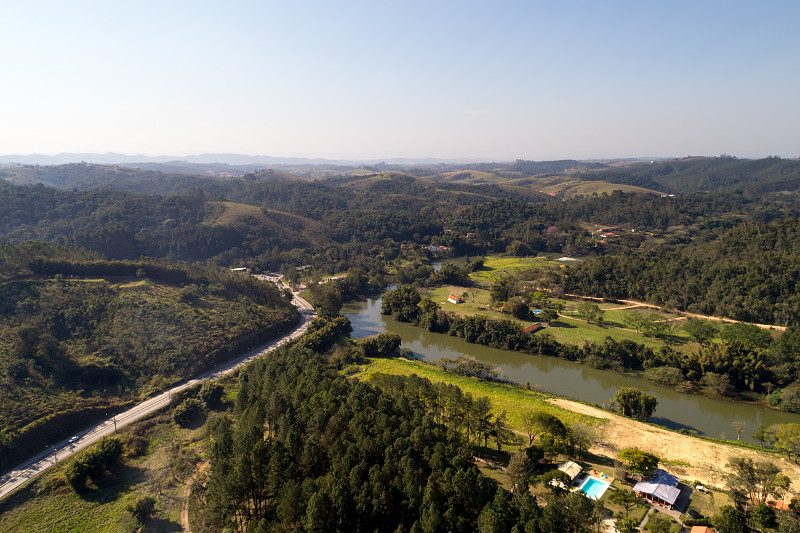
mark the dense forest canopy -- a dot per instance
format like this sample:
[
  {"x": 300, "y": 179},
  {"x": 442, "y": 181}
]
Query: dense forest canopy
[
  {"x": 271, "y": 221},
  {"x": 693, "y": 174},
  {"x": 311, "y": 450},
  {"x": 749, "y": 273}
]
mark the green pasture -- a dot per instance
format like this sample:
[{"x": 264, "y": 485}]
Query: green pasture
[
  {"x": 495, "y": 266},
  {"x": 515, "y": 401}
]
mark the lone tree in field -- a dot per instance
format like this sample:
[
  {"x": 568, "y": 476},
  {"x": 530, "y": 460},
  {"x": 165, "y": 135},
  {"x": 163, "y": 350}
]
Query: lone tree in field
[
  {"x": 635, "y": 403},
  {"x": 638, "y": 461},
  {"x": 540, "y": 422},
  {"x": 590, "y": 311}
]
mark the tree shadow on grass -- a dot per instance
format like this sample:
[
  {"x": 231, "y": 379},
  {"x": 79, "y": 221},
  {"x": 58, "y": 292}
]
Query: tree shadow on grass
[
  {"x": 565, "y": 325},
  {"x": 114, "y": 484},
  {"x": 593, "y": 458},
  {"x": 609, "y": 324},
  {"x": 165, "y": 525},
  {"x": 671, "y": 424},
  {"x": 674, "y": 340},
  {"x": 195, "y": 422}
]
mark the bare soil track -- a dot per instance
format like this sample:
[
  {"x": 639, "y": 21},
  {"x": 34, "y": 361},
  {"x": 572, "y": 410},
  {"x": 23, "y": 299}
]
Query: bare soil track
[{"x": 688, "y": 457}]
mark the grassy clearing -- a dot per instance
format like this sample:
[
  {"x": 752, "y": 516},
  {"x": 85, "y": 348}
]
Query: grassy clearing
[
  {"x": 707, "y": 503},
  {"x": 495, "y": 266},
  {"x": 638, "y": 511},
  {"x": 515, "y": 401},
  {"x": 578, "y": 331}
]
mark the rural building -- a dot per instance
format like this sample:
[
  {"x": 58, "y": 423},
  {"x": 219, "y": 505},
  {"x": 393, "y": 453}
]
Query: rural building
[
  {"x": 453, "y": 299},
  {"x": 570, "y": 468},
  {"x": 701, "y": 529},
  {"x": 662, "y": 488},
  {"x": 533, "y": 328}
]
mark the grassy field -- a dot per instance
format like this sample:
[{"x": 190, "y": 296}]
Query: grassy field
[
  {"x": 495, "y": 266},
  {"x": 515, "y": 401},
  {"x": 48, "y": 504},
  {"x": 569, "y": 329},
  {"x": 706, "y": 503}
]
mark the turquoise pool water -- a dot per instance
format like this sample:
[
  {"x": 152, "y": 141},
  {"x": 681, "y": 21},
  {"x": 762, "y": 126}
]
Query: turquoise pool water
[{"x": 594, "y": 488}]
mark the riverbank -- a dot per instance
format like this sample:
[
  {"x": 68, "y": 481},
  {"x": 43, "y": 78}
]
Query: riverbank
[
  {"x": 690, "y": 458},
  {"x": 708, "y": 416}
]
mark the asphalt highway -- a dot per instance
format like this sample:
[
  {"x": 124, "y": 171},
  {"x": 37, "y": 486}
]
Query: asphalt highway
[{"x": 34, "y": 466}]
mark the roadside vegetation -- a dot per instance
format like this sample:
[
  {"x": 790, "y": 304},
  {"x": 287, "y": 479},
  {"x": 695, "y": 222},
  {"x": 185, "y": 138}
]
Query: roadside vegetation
[
  {"x": 80, "y": 339},
  {"x": 145, "y": 488}
]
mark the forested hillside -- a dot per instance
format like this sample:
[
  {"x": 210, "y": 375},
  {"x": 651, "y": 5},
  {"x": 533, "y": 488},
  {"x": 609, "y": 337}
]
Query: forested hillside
[
  {"x": 693, "y": 174},
  {"x": 79, "y": 335},
  {"x": 750, "y": 273},
  {"x": 367, "y": 221}
]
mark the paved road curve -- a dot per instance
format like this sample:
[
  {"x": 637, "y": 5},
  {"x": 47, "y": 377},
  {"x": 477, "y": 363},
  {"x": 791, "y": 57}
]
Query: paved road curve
[{"x": 12, "y": 480}]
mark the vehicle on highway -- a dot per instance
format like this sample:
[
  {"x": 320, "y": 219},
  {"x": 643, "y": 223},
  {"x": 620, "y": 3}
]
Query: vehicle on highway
[{"x": 72, "y": 439}]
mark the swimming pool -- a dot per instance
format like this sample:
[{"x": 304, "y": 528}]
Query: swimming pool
[{"x": 593, "y": 488}]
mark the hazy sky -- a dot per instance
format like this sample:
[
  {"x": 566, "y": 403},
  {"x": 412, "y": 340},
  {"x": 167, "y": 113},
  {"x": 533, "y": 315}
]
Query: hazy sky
[{"x": 380, "y": 79}]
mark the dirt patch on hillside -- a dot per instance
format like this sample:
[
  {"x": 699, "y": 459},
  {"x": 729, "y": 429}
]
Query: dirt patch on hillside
[{"x": 688, "y": 457}]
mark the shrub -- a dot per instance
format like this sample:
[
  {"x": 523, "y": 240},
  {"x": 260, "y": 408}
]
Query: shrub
[{"x": 189, "y": 410}]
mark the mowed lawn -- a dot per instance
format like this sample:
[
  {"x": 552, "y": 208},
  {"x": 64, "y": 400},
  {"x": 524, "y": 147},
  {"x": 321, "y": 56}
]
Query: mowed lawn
[{"x": 515, "y": 401}]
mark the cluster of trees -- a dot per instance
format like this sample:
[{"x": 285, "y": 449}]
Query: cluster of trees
[
  {"x": 783, "y": 437},
  {"x": 192, "y": 403},
  {"x": 634, "y": 403},
  {"x": 753, "y": 484},
  {"x": 467, "y": 365},
  {"x": 311, "y": 449},
  {"x": 448, "y": 405},
  {"x": 750, "y": 273},
  {"x": 93, "y": 462}
]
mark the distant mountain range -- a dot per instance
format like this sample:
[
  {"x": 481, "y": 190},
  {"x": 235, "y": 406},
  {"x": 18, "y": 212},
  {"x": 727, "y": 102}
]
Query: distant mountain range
[{"x": 205, "y": 159}]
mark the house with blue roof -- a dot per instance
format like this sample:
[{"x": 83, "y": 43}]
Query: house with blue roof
[{"x": 661, "y": 488}]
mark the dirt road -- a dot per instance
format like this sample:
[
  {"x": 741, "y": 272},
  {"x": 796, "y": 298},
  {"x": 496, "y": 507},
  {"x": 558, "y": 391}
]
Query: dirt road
[
  {"x": 187, "y": 492},
  {"x": 632, "y": 304}
]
